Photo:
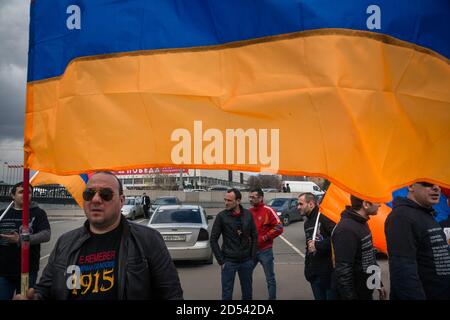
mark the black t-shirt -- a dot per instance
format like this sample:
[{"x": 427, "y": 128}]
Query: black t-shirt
[
  {"x": 446, "y": 227},
  {"x": 10, "y": 252},
  {"x": 98, "y": 262}
]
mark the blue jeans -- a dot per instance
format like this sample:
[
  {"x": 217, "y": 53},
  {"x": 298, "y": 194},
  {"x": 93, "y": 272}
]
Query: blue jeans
[
  {"x": 265, "y": 257},
  {"x": 245, "y": 272},
  {"x": 10, "y": 284},
  {"x": 322, "y": 290}
]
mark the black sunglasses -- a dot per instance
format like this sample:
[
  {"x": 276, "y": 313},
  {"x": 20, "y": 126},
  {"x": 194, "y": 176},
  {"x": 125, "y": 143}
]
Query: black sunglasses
[
  {"x": 426, "y": 184},
  {"x": 105, "y": 193}
]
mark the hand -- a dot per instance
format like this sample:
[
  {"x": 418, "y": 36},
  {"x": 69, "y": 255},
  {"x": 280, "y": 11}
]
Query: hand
[
  {"x": 11, "y": 238},
  {"x": 382, "y": 293},
  {"x": 31, "y": 295},
  {"x": 311, "y": 246}
]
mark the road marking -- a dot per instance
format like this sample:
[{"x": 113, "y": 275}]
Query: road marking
[
  {"x": 53, "y": 222},
  {"x": 44, "y": 257},
  {"x": 293, "y": 247}
]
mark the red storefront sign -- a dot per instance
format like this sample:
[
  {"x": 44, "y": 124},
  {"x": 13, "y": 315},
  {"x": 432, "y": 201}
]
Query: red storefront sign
[{"x": 164, "y": 170}]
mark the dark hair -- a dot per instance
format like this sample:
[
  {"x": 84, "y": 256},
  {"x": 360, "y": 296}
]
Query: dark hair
[
  {"x": 112, "y": 174},
  {"x": 19, "y": 184},
  {"x": 309, "y": 197},
  {"x": 356, "y": 203},
  {"x": 236, "y": 192},
  {"x": 258, "y": 190}
]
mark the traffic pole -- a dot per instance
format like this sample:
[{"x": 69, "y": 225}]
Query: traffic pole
[{"x": 25, "y": 234}]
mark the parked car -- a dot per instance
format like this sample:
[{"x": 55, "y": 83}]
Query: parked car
[
  {"x": 270, "y": 190},
  {"x": 286, "y": 208},
  {"x": 132, "y": 208},
  {"x": 162, "y": 201},
  {"x": 194, "y": 190},
  {"x": 219, "y": 188},
  {"x": 184, "y": 229}
]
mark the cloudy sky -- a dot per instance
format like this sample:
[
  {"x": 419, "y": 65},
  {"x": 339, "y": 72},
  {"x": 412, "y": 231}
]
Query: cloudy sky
[{"x": 14, "y": 20}]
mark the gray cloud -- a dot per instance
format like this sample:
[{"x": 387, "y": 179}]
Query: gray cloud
[{"x": 14, "y": 21}]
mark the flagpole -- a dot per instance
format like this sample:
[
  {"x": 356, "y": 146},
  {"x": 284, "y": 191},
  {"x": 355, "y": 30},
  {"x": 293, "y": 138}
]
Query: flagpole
[
  {"x": 315, "y": 227},
  {"x": 25, "y": 233}
]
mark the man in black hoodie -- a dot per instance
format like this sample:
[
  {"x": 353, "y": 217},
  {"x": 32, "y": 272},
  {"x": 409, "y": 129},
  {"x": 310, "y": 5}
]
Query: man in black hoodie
[
  {"x": 239, "y": 245},
  {"x": 354, "y": 255},
  {"x": 419, "y": 255},
  {"x": 318, "y": 265}
]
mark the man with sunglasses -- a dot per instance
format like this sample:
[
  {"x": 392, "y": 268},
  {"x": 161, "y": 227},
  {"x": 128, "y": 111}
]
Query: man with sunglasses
[
  {"x": 108, "y": 258},
  {"x": 419, "y": 255}
]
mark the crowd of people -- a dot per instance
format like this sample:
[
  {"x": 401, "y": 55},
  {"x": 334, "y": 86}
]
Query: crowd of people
[{"x": 130, "y": 261}]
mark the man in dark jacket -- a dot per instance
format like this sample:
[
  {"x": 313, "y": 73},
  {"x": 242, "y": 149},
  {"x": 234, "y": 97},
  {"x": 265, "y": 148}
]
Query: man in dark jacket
[
  {"x": 419, "y": 255},
  {"x": 239, "y": 245},
  {"x": 108, "y": 258},
  {"x": 354, "y": 255},
  {"x": 146, "y": 205},
  {"x": 10, "y": 244},
  {"x": 318, "y": 265}
]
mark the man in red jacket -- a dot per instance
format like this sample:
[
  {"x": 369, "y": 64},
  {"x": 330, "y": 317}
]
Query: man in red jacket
[{"x": 269, "y": 227}]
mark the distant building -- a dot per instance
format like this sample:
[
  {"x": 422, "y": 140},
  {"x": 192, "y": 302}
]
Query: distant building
[{"x": 175, "y": 179}]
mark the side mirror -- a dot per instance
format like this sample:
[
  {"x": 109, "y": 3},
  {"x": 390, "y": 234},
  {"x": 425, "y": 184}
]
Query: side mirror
[{"x": 209, "y": 217}]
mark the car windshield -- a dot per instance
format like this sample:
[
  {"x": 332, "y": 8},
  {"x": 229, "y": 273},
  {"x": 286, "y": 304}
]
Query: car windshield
[
  {"x": 278, "y": 203},
  {"x": 130, "y": 201},
  {"x": 165, "y": 201},
  {"x": 177, "y": 216}
]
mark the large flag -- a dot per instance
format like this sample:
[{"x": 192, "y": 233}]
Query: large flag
[
  {"x": 75, "y": 184},
  {"x": 354, "y": 91},
  {"x": 336, "y": 200}
]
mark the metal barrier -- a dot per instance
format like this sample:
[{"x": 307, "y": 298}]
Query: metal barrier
[{"x": 44, "y": 194}]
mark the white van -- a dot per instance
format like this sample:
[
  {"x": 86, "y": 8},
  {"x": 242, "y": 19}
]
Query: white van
[{"x": 304, "y": 186}]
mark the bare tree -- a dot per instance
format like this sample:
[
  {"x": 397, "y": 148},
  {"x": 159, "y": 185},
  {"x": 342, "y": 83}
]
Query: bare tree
[{"x": 264, "y": 181}]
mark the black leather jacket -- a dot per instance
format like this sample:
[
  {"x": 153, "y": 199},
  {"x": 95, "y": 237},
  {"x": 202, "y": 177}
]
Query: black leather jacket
[
  {"x": 145, "y": 271},
  {"x": 236, "y": 246},
  {"x": 353, "y": 255}
]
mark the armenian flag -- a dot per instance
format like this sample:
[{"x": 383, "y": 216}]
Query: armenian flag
[{"x": 354, "y": 91}]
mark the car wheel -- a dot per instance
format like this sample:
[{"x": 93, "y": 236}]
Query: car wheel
[
  {"x": 210, "y": 259},
  {"x": 286, "y": 220}
]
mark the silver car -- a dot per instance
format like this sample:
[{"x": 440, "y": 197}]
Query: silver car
[
  {"x": 132, "y": 208},
  {"x": 184, "y": 228}
]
